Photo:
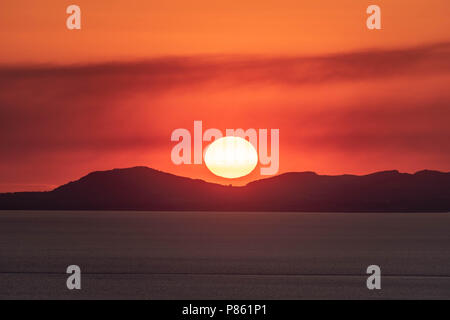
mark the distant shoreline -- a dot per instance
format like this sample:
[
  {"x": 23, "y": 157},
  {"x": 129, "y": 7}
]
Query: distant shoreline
[{"x": 146, "y": 189}]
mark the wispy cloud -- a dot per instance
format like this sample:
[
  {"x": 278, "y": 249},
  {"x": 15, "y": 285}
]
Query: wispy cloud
[{"x": 391, "y": 101}]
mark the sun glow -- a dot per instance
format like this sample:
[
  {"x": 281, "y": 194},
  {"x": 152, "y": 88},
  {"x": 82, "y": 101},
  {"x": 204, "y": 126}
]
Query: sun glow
[{"x": 231, "y": 157}]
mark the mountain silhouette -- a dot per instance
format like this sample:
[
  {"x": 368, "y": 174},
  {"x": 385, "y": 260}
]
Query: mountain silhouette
[{"x": 142, "y": 188}]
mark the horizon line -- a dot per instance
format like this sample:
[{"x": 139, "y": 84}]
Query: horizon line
[{"x": 230, "y": 184}]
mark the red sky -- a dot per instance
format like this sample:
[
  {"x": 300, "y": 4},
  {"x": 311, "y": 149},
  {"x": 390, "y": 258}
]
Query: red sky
[{"x": 346, "y": 100}]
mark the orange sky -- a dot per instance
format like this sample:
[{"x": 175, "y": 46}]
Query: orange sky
[
  {"x": 346, "y": 99},
  {"x": 123, "y": 29}
]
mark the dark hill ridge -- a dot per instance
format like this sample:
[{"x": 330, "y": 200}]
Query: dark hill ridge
[{"x": 142, "y": 188}]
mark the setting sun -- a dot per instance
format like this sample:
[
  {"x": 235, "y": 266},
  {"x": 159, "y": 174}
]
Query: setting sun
[{"x": 231, "y": 157}]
